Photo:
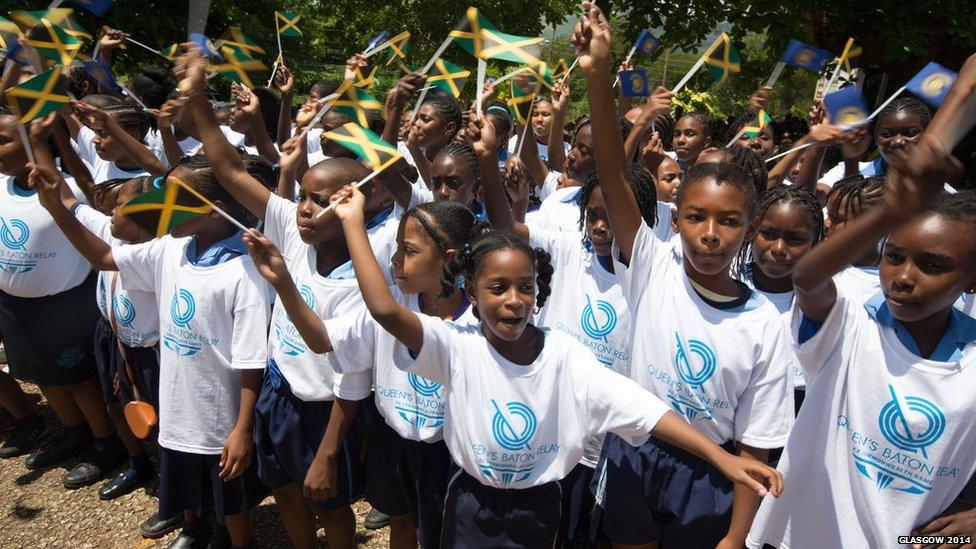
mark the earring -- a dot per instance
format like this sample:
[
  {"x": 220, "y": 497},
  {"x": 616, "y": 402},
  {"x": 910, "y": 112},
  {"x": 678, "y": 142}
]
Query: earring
[{"x": 971, "y": 291}]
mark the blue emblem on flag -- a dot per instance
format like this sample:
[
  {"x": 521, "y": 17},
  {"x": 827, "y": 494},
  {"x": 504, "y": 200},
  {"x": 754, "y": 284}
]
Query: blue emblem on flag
[
  {"x": 646, "y": 43},
  {"x": 932, "y": 83},
  {"x": 846, "y": 107},
  {"x": 804, "y": 56},
  {"x": 634, "y": 83}
]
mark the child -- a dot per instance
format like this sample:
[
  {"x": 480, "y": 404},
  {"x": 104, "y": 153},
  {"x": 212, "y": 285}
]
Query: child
[
  {"x": 110, "y": 141},
  {"x": 436, "y": 124},
  {"x": 667, "y": 179},
  {"x": 47, "y": 318},
  {"x": 790, "y": 224},
  {"x": 692, "y": 135},
  {"x": 702, "y": 340},
  {"x": 884, "y": 441},
  {"x": 407, "y": 462},
  {"x": 213, "y": 317},
  {"x": 847, "y": 200},
  {"x": 127, "y": 334}
]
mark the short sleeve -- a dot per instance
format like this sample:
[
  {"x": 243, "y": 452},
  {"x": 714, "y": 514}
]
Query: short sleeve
[
  {"x": 138, "y": 263},
  {"x": 279, "y": 217},
  {"x": 633, "y": 277},
  {"x": 764, "y": 412},
  {"x": 549, "y": 185},
  {"x": 353, "y": 386},
  {"x": 86, "y": 146},
  {"x": 249, "y": 343},
  {"x": 557, "y": 243},
  {"x": 841, "y": 324},
  {"x": 353, "y": 337},
  {"x": 434, "y": 359},
  {"x": 96, "y": 222},
  {"x": 419, "y": 195},
  {"x": 617, "y": 404}
]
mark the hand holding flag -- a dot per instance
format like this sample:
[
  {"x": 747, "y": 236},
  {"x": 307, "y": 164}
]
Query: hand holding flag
[{"x": 370, "y": 148}]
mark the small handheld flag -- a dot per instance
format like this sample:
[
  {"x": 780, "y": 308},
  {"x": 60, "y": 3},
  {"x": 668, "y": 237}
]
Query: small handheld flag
[
  {"x": 159, "y": 210},
  {"x": 52, "y": 42},
  {"x": 756, "y": 125},
  {"x": 205, "y": 44},
  {"x": 375, "y": 41},
  {"x": 13, "y": 51},
  {"x": 646, "y": 43},
  {"x": 46, "y": 92},
  {"x": 482, "y": 40},
  {"x": 846, "y": 107},
  {"x": 932, "y": 83},
  {"x": 97, "y": 7},
  {"x": 398, "y": 47},
  {"x": 238, "y": 67},
  {"x": 8, "y": 27},
  {"x": 806, "y": 57},
  {"x": 287, "y": 23},
  {"x": 448, "y": 77},
  {"x": 367, "y": 81},
  {"x": 30, "y": 19},
  {"x": 234, "y": 37},
  {"x": 562, "y": 69},
  {"x": 634, "y": 83},
  {"x": 520, "y": 104},
  {"x": 171, "y": 52},
  {"x": 357, "y": 104},
  {"x": 100, "y": 71},
  {"x": 722, "y": 59},
  {"x": 368, "y": 146}
]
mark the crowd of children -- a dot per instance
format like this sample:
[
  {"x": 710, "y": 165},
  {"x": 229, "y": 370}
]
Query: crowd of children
[{"x": 622, "y": 334}]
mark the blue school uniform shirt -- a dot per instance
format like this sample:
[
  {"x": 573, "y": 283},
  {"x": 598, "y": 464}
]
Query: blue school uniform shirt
[{"x": 219, "y": 252}]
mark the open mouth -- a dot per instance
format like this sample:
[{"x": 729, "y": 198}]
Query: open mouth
[{"x": 511, "y": 322}]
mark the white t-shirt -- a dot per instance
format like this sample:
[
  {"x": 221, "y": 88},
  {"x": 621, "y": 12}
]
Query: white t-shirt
[
  {"x": 136, "y": 312},
  {"x": 36, "y": 259},
  {"x": 560, "y": 211},
  {"x": 586, "y": 304},
  {"x": 723, "y": 370},
  {"x": 884, "y": 441},
  {"x": 101, "y": 170},
  {"x": 312, "y": 377},
  {"x": 411, "y": 405},
  {"x": 783, "y": 301},
  {"x": 865, "y": 281},
  {"x": 213, "y": 321},
  {"x": 517, "y": 426},
  {"x": 543, "y": 147}
]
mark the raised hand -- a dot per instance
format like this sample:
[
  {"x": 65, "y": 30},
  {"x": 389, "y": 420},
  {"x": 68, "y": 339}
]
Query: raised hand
[
  {"x": 560, "y": 95},
  {"x": 480, "y": 133},
  {"x": 40, "y": 128},
  {"x": 110, "y": 39},
  {"x": 349, "y": 203},
  {"x": 405, "y": 90},
  {"x": 652, "y": 154},
  {"x": 47, "y": 182},
  {"x": 760, "y": 98},
  {"x": 267, "y": 258},
  {"x": 284, "y": 80},
  {"x": 92, "y": 116},
  {"x": 292, "y": 153},
  {"x": 592, "y": 38},
  {"x": 192, "y": 65},
  {"x": 357, "y": 61},
  {"x": 170, "y": 112}
]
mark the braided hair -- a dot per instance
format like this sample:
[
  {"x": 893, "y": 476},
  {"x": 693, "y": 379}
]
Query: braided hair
[
  {"x": 449, "y": 225},
  {"x": 131, "y": 118},
  {"x": 641, "y": 184},
  {"x": 905, "y": 103},
  {"x": 710, "y": 126},
  {"x": 473, "y": 255},
  {"x": 205, "y": 182},
  {"x": 465, "y": 154},
  {"x": 852, "y": 195},
  {"x": 447, "y": 107},
  {"x": 754, "y": 166},
  {"x": 498, "y": 115},
  {"x": 801, "y": 197}
]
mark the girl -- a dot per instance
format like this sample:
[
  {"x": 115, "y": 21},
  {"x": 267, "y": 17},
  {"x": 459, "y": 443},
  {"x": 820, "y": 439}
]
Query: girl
[
  {"x": 790, "y": 223},
  {"x": 707, "y": 344},
  {"x": 520, "y": 402},
  {"x": 692, "y": 135},
  {"x": 850, "y": 198},
  {"x": 111, "y": 140},
  {"x": 47, "y": 318},
  {"x": 885, "y": 439},
  {"x": 667, "y": 179},
  {"x": 408, "y": 462},
  {"x": 763, "y": 143},
  {"x": 436, "y": 124}
]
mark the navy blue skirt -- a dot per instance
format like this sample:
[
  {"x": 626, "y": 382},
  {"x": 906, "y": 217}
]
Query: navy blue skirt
[
  {"x": 143, "y": 360},
  {"x": 191, "y": 481}
]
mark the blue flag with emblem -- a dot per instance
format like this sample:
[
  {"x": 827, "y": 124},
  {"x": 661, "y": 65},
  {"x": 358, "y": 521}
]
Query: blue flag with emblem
[
  {"x": 98, "y": 7},
  {"x": 206, "y": 44},
  {"x": 634, "y": 83},
  {"x": 646, "y": 43},
  {"x": 846, "y": 107},
  {"x": 932, "y": 83},
  {"x": 805, "y": 57},
  {"x": 100, "y": 71}
]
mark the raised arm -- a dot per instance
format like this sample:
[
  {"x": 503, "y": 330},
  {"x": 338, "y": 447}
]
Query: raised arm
[
  {"x": 481, "y": 134},
  {"x": 249, "y": 104},
  {"x": 394, "y": 317},
  {"x": 224, "y": 160},
  {"x": 294, "y": 164},
  {"x": 101, "y": 121},
  {"x": 556, "y": 144},
  {"x": 285, "y": 81},
  {"x": 168, "y": 115},
  {"x": 396, "y": 99}
]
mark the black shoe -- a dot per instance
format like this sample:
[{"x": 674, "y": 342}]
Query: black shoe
[
  {"x": 153, "y": 528},
  {"x": 186, "y": 542},
  {"x": 125, "y": 482},
  {"x": 100, "y": 459},
  {"x": 28, "y": 432},
  {"x": 376, "y": 519},
  {"x": 7, "y": 421},
  {"x": 65, "y": 447}
]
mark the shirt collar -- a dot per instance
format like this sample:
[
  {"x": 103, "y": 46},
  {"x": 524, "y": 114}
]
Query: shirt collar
[
  {"x": 961, "y": 330},
  {"x": 572, "y": 197},
  {"x": 218, "y": 252},
  {"x": 342, "y": 272},
  {"x": 379, "y": 218}
]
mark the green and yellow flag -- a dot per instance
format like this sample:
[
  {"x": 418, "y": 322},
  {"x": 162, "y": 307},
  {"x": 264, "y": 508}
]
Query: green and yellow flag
[
  {"x": 398, "y": 47},
  {"x": 234, "y": 37},
  {"x": 756, "y": 125},
  {"x": 561, "y": 69},
  {"x": 159, "y": 210},
  {"x": 448, "y": 77},
  {"x": 524, "y": 91},
  {"x": 238, "y": 66},
  {"x": 851, "y": 50},
  {"x": 8, "y": 27},
  {"x": 722, "y": 59},
  {"x": 541, "y": 76},
  {"x": 357, "y": 104},
  {"x": 367, "y": 81},
  {"x": 46, "y": 92},
  {"x": 481, "y": 39},
  {"x": 287, "y": 23},
  {"x": 52, "y": 42},
  {"x": 27, "y": 20},
  {"x": 171, "y": 52},
  {"x": 367, "y": 145}
]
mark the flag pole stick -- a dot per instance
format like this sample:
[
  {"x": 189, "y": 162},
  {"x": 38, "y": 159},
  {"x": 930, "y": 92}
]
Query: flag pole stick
[
  {"x": 203, "y": 199},
  {"x": 318, "y": 116},
  {"x": 274, "y": 69},
  {"x": 774, "y": 76},
  {"x": 129, "y": 93},
  {"x": 840, "y": 61},
  {"x": 737, "y": 136},
  {"x": 887, "y": 101},
  {"x": 616, "y": 81},
  {"x": 510, "y": 75},
  {"x": 525, "y": 130},
  {"x": 694, "y": 68},
  {"x": 27, "y": 146},
  {"x": 570, "y": 69},
  {"x": 423, "y": 72},
  {"x": 359, "y": 184},
  {"x": 482, "y": 67},
  {"x": 794, "y": 149},
  {"x": 141, "y": 45}
]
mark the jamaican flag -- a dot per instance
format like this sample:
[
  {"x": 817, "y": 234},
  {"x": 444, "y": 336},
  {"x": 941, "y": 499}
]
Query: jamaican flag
[
  {"x": 159, "y": 210},
  {"x": 398, "y": 47},
  {"x": 524, "y": 91},
  {"x": 233, "y": 37},
  {"x": 722, "y": 59},
  {"x": 52, "y": 42},
  {"x": 287, "y": 23},
  {"x": 448, "y": 77},
  {"x": 367, "y": 145},
  {"x": 238, "y": 66},
  {"x": 357, "y": 105},
  {"x": 756, "y": 125},
  {"x": 481, "y": 39},
  {"x": 367, "y": 81},
  {"x": 30, "y": 19},
  {"x": 171, "y": 52},
  {"x": 38, "y": 96},
  {"x": 561, "y": 69}
]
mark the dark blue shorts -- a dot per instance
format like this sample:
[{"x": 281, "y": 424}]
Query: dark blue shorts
[
  {"x": 49, "y": 339},
  {"x": 577, "y": 503},
  {"x": 143, "y": 360},
  {"x": 190, "y": 481},
  {"x": 287, "y": 434},
  {"x": 407, "y": 476},
  {"x": 658, "y": 491},
  {"x": 479, "y": 516}
]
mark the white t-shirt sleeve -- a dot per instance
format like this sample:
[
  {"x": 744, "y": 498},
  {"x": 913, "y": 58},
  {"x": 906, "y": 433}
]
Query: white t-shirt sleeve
[
  {"x": 633, "y": 277},
  {"x": 138, "y": 263},
  {"x": 352, "y": 336},
  {"x": 278, "y": 217},
  {"x": 764, "y": 413},
  {"x": 841, "y": 324},
  {"x": 434, "y": 359},
  {"x": 549, "y": 185},
  {"x": 95, "y": 221},
  {"x": 619, "y": 405},
  {"x": 419, "y": 195},
  {"x": 86, "y": 146},
  {"x": 249, "y": 344}
]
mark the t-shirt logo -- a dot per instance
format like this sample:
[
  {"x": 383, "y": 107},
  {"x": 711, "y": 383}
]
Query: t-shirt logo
[
  {"x": 307, "y": 295},
  {"x": 14, "y": 233},
  {"x": 695, "y": 375},
  {"x": 424, "y": 386},
  {"x": 426, "y": 408},
  {"x": 897, "y": 429},
  {"x": 182, "y": 308},
  {"x": 514, "y": 427},
  {"x": 123, "y": 310},
  {"x": 598, "y": 321}
]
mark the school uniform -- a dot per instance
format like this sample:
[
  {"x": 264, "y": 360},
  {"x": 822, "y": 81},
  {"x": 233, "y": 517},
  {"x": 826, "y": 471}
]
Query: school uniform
[
  {"x": 101, "y": 170},
  {"x": 408, "y": 464},
  {"x": 213, "y": 317},
  {"x": 300, "y": 386},
  {"x": 783, "y": 301},
  {"x": 515, "y": 431},
  {"x": 560, "y": 211},
  {"x": 885, "y": 440},
  {"x": 136, "y": 326},
  {"x": 47, "y": 294},
  {"x": 865, "y": 281},
  {"x": 722, "y": 367},
  {"x": 543, "y": 147}
]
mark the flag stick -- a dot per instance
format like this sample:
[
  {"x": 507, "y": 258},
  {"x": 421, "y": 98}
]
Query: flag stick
[
  {"x": 359, "y": 184},
  {"x": 794, "y": 149},
  {"x": 525, "y": 130},
  {"x": 274, "y": 69},
  {"x": 440, "y": 50},
  {"x": 141, "y": 45},
  {"x": 616, "y": 81},
  {"x": 887, "y": 101},
  {"x": 694, "y": 68},
  {"x": 774, "y": 76},
  {"x": 381, "y": 47},
  {"x": 26, "y": 141},
  {"x": 510, "y": 75},
  {"x": 570, "y": 69},
  {"x": 737, "y": 136},
  {"x": 840, "y": 61},
  {"x": 203, "y": 199},
  {"x": 318, "y": 116},
  {"x": 664, "y": 75},
  {"x": 482, "y": 67},
  {"x": 129, "y": 93}
]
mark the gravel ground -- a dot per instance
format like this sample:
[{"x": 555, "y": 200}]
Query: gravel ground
[{"x": 36, "y": 511}]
